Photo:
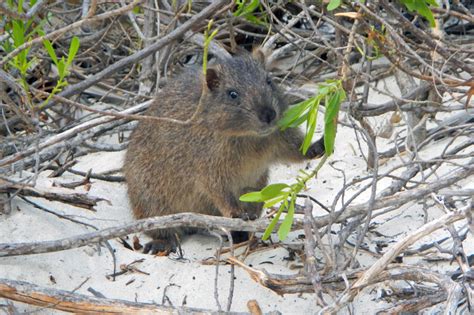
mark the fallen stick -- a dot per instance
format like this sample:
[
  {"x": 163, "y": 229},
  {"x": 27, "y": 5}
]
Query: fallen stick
[
  {"x": 78, "y": 303},
  {"x": 169, "y": 221},
  {"x": 74, "y": 199}
]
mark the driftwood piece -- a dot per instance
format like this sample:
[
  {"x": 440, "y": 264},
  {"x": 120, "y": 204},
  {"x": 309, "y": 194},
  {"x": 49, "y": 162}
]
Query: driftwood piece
[
  {"x": 280, "y": 284},
  {"x": 169, "y": 221},
  {"x": 74, "y": 199},
  {"x": 78, "y": 303}
]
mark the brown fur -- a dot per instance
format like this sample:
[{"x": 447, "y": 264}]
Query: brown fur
[{"x": 205, "y": 166}]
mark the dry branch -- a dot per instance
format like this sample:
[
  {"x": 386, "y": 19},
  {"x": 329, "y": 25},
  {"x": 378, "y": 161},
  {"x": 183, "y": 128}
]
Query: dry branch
[
  {"x": 165, "y": 40},
  {"x": 69, "y": 133},
  {"x": 73, "y": 199},
  {"x": 169, "y": 221},
  {"x": 55, "y": 34},
  {"x": 78, "y": 303},
  {"x": 399, "y": 199}
]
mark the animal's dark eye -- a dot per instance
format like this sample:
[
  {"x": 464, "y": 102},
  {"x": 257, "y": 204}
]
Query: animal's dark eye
[
  {"x": 233, "y": 94},
  {"x": 269, "y": 81}
]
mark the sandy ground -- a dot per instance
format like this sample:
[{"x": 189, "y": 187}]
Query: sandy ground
[{"x": 189, "y": 282}]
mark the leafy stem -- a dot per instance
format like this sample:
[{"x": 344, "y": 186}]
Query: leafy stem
[{"x": 332, "y": 93}]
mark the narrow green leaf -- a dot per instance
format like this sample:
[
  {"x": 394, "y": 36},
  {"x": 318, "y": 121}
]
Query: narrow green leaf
[
  {"x": 73, "y": 48},
  {"x": 293, "y": 113},
  {"x": 271, "y": 226},
  {"x": 61, "y": 67},
  {"x": 310, "y": 126},
  {"x": 273, "y": 190},
  {"x": 330, "y": 120},
  {"x": 52, "y": 54},
  {"x": 20, "y": 6},
  {"x": 285, "y": 226},
  {"x": 410, "y": 4},
  {"x": 421, "y": 7},
  {"x": 18, "y": 33},
  {"x": 254, "y": 196},
  {"x": 333, "y": 4},
  {"x": 252, "y": 6},
  {"x": 424, "y": 11},
  {"x": 299, "y": 121},
  {"x": 432, "y": 2},
  {"x": 240, "y": 7},
  {"x": 271, "y": 202}
]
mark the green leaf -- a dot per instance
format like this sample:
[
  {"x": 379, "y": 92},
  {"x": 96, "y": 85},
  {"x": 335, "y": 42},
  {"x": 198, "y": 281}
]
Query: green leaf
[
  {"x": 207, "y": 41},
  {"x": 61, "y": 67},
  {"x": 421, "y": 7},
  {"x": 273, "y": 190},
  {"x": 330, "y": 120},
  {"x": 246, "y": 9},
  {"x": 410, "y": 4},
  {"x": 299, "y": 121},
  {"x": 273, "y": 223},
  {"x": 310, "y": 127},
  {"x": 240, "y": 7},
  {"x": 20, "y": 6},
  {"x": 424, "y": 11},
  {"x": 271, "y": 202},
  {"x": 285, "y": 226},
  {"x": 18, "y": 33},
  {"x": 334, "y": 4},
  {"x": 73, "y": 48},
  {"x": 293, "y": 113},
  {"x": 136, "y": 10},
  {"x": 52, "y": 54},
  {"x": 255, "y": 196}
]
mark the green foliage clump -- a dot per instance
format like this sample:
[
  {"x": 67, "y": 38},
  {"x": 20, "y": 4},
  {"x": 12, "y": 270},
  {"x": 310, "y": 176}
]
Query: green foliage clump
[
  {"x": 332, "y": 94},
  {"x": 247, "y": 9},
  {"x": 20, "y": 33},
  {"x": 422, "y": 8}
]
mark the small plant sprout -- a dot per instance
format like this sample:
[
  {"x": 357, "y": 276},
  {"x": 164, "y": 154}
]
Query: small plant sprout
[
  {"x": 63, "y": 65},
  {"x": 207, "y": 41},
  {"x": 246, "y": 9}
]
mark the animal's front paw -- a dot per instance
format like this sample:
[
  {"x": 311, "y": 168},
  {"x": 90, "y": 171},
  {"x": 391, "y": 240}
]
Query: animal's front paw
[
  {"x": 316, "y": 150},
  {"x": 248, "y": 216},
  {"x": 163, "y": 247}
]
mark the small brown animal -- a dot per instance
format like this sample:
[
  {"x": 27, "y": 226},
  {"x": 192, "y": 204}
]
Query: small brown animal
[{"x": 204, "y": 166}]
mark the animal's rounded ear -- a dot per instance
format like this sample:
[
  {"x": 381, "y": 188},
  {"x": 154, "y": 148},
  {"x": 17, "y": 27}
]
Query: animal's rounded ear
[
  {"x": 212, "y": 79},
  {"x": 259, "y": 55}
]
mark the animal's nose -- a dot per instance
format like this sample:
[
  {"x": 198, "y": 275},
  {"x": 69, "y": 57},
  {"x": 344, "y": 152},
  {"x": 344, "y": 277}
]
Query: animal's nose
[{"x": 267, "y": 115}]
